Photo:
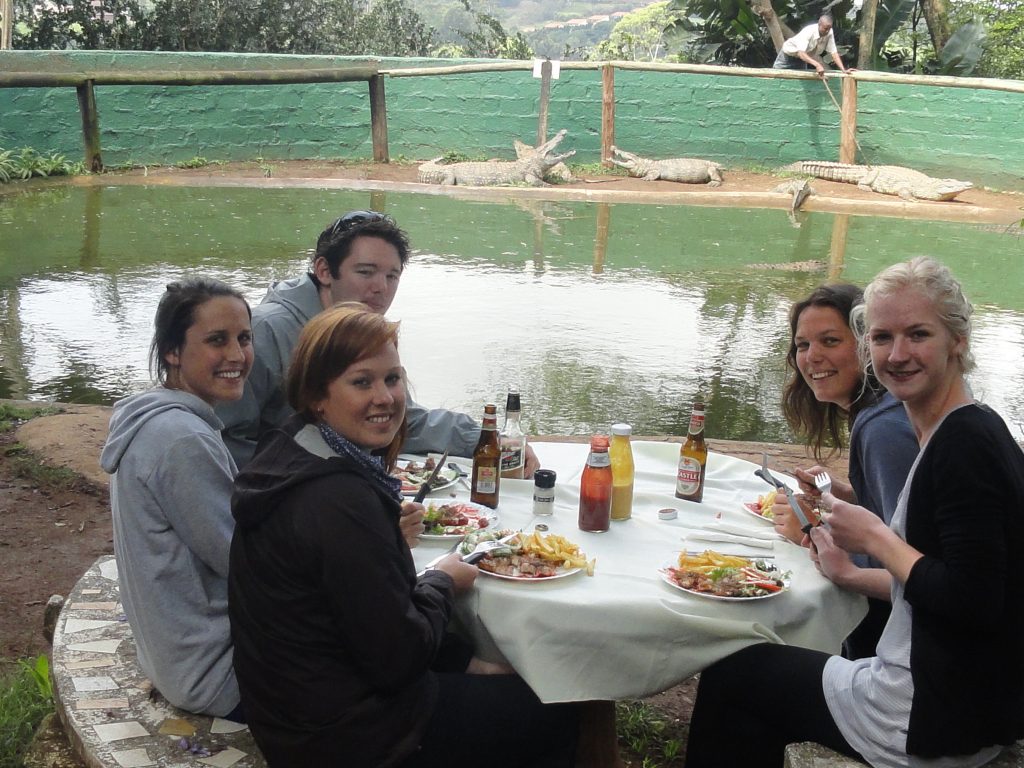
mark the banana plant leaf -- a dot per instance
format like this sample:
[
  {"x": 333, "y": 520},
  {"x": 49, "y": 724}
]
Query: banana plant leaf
[
  {"x": 890, "y": 16},
  {"x": 961, "y": 54}
]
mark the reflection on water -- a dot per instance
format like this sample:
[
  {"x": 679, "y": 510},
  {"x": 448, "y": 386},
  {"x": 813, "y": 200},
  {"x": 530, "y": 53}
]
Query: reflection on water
[{"x": 598, "y": 312}]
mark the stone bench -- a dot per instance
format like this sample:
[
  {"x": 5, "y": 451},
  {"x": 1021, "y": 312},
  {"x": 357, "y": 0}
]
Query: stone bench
[
  {"x": 112, "y": 715},
  {"x": 810, "y": 755}
]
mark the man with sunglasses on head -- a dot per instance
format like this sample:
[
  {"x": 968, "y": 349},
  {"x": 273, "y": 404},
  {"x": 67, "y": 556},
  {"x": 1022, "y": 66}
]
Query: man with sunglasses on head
[{"x": 359, "y": 257}]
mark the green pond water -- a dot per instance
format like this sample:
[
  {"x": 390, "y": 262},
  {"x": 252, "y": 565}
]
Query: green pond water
[{"x": 600, "y": 313}]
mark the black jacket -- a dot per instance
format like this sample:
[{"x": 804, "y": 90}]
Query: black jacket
[
  {"x": 333, "y": 633},
  {"x": 966, "y": 515}
]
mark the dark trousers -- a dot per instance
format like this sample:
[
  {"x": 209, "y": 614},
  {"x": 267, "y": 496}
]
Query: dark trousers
[
  {"x": 785, "y": 61},
  {"x": 752, "y": 704},
  {"x": 498, "y": 722}
]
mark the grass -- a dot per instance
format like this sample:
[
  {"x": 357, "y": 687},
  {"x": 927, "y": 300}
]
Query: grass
[
  {"x": 27, "y": 162},
  {"x": 11, "y": 415},
  {"x": 26, "y": 696},
  {"x": 595, "y": 169},
  {"x": 26, "y": 465},
  {"x": 646, "y": 732}
]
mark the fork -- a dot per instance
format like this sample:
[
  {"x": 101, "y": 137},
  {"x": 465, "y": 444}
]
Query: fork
[{"x": 823, "y": 483}]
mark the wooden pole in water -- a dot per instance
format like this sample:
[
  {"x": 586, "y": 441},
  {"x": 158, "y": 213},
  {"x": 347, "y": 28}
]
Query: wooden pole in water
[
  {"x": 545, "y": 98},
  {"x": 90, "y": 126},
  {"x": 378, "y": 120},
  {"x": 848, "y": 122},
  {"x": 607, "y": 114},
  {"x": 604, "y": 218}
]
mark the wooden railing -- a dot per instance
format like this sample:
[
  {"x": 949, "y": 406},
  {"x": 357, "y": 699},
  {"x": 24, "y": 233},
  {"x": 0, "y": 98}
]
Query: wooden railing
[{"x": 85, "y": 83}]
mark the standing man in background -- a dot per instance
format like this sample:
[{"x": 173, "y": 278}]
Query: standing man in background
[{"x": 804, "y": 50}]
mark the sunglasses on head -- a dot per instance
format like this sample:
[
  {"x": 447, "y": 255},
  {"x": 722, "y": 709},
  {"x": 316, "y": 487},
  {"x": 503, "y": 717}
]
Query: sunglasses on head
[{"x": 357, "y": 218}]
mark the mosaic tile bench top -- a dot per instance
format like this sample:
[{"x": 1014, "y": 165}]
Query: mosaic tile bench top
[{"x": 113, "y": 716}]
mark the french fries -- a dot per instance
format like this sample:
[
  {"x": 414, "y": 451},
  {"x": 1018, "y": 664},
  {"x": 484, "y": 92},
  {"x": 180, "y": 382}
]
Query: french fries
[
  {"x": 556, "y": 549},
  {"x": 709, "y": 560},
  {"x": 767, "y": 501}
]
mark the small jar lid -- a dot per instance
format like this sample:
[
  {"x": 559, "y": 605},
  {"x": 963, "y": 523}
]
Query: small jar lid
[
  {"x": 667, "y": 514},
  {"x": 544, "y": 478},
  {"x": 622, "y": 429},
  {"x": 599, "y": 443}
]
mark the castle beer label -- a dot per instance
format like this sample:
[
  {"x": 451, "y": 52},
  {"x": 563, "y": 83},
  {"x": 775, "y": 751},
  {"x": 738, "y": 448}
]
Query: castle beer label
[{"x": 688, "y": 477}]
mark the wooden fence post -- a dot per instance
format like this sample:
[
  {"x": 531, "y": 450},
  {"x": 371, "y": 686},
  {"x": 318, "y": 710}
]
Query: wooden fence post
[
  {"x": 607, "y": 113},
  {"x": 545, "y": 99},
  {"x": 90, "y": 126},
  {"x": 378, "y": 120},
  {"x": 848, "y": 122}
]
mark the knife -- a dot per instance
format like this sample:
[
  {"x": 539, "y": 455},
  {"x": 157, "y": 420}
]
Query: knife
[
  {"x": 768, "y": 477},
  {"x": 805, "y": 524},
  {"x": 424, "y": 489}
]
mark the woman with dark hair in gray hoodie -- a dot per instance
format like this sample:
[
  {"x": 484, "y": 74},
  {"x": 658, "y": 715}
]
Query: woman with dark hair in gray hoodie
[{"x": 170, "y": 494}]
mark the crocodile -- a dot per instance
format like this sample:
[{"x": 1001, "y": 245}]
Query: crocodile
[
  {"x": 687, "y": 170},
  {"x": 526, "y": 170},
  {"x": 799, "y": 190},
  {"x": 559, "y": 173},
  {"x": 884, "y": 179}
]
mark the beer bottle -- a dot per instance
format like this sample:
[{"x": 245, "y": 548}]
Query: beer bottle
[
  {"x": 512, "y": 439},
  {"x": 693, "y": 458},
  {"x": 487, "y": 461}
]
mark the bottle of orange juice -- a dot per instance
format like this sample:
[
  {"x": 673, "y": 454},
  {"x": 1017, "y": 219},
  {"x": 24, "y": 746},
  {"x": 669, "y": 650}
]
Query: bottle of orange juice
[{"x": 621, "y": 454}]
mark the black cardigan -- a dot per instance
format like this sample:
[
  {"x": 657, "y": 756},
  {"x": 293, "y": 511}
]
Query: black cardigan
[{"x": 966, "y": 515}]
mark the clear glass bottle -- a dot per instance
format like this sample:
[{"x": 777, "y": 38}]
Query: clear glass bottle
[
  {"x": 621, "y": 454},
  {"x": 512, "y": 438},
  {"x": 596, "y": 487},
  {"x": 487, "y": 461},
  {"x": 693, "y": 458}
]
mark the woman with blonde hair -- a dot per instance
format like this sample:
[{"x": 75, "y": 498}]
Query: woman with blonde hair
[
  {"x": 341, "y": 652},
  {"x": 947, "y": 681},
  {"x": 829, "y": 394}
]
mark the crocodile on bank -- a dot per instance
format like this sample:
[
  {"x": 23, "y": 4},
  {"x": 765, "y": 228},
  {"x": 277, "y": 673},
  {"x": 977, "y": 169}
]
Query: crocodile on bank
[
  {"x": 884, "y": 179},
  {"x": 495, "y": 173},
  {"x": 558, "y": 173},
  {"x": 687, "y": 170}
]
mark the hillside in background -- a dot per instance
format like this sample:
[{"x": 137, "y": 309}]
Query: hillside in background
[{"x": 555, "y": 28}]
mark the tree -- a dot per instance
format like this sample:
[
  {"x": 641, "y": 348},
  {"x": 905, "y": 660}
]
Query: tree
[
  {"x": 391, "y": 28},
  {"x": 488, "y": 39},
  {"x": 113, "y": 24},
  {"x": 639, "y": 35}
]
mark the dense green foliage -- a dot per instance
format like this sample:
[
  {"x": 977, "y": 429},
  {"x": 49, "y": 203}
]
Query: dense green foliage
[
  {"x": 26, "y": 163},
  {"x": 25, "y": 698},
  {"x": 1003, "y": 54}
]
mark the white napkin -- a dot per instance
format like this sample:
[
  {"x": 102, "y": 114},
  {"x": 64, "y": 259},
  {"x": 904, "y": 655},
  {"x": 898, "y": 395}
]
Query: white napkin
[
  {"x": 729, "y": 538},
  {"x": 721, "y": 526}
]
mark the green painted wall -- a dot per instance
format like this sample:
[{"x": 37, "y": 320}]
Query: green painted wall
[{"x": 739, "y": 121}]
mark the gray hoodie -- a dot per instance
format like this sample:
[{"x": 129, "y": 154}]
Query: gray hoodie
[
  {"x": 170, "y": 494},
  {"x": 276, "y": 325}
]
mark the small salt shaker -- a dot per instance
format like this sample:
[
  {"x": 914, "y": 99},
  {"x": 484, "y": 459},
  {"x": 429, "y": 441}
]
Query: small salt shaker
[{"x": 543, "y": 492}]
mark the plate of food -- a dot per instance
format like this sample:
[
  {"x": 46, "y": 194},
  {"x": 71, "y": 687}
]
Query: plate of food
[
  {"x": 456, "y": 519},
  {"x": 732, "y": 578},
  {"x": 414, "y": 471},
  {"x": 762, "y": 508},
  {"x": 530, "y": 557}
]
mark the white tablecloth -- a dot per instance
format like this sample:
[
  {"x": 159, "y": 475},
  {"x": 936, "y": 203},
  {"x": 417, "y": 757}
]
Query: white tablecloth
[{"x": 624, "y": 633}]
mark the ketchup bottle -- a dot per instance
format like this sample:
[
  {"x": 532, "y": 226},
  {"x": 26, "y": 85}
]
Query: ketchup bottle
[{"x": 596, "y": 487}]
